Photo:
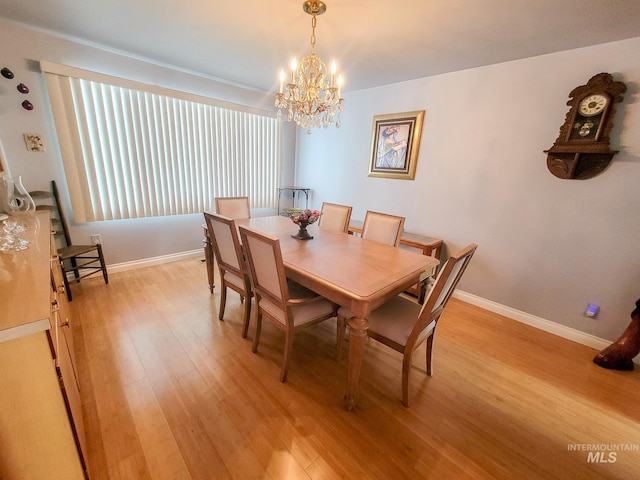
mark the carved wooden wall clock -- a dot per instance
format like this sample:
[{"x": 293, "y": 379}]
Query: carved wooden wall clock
[{"x": 582, "y": 150}]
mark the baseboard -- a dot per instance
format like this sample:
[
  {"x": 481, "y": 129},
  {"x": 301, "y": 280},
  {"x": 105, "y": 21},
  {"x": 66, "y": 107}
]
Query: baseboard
[
  {"x": 537, "y": 322},
  {"x": 523, "y": 317},
  {"x": 148, "y": 262}
]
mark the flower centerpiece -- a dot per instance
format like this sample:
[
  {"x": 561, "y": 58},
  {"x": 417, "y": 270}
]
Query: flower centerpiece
[{"x": 303, "y": 219}]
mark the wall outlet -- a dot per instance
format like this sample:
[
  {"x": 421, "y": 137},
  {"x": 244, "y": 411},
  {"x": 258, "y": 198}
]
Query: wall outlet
[
  {"x": 96, "y": 239},
  {"x": 591, "y": 311}
]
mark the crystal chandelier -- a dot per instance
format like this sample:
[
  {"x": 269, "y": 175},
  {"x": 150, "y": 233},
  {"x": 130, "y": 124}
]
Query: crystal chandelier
[{"x": 312, "y": 96}]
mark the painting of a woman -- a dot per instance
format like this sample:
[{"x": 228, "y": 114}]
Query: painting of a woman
[{"x": 392, "y": 147}]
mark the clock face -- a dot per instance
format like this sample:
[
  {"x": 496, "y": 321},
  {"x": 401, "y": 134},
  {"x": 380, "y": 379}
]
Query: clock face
[{"x": 592, "y": 105}]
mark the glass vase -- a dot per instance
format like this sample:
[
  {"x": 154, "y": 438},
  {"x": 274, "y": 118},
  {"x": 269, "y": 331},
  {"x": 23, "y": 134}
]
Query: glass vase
[{"x": 17, "y": 199}]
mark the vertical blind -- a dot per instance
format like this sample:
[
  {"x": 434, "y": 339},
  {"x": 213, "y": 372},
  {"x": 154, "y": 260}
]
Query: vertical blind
[{"x": 134, "y": 152}]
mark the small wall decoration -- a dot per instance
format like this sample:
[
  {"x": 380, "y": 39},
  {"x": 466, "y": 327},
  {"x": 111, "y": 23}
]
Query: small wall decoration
[
  {"x": 34, "y": 142},
  {"x": 395, "y": 145},
  {"x": 6, "y": 73},
  {"x": 21, "y": 87}
]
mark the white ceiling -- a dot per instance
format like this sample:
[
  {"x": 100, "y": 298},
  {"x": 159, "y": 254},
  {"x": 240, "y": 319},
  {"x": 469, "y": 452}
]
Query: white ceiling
[{"x": 374, "y": 42}]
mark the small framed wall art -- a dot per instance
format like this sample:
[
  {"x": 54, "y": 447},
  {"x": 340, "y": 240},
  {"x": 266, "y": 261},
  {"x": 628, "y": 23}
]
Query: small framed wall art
[{"x": 395, "y": 144}]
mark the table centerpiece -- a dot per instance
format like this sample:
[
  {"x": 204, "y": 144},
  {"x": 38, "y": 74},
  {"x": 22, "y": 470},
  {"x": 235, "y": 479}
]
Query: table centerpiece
[{"x": 303, "y": 219}]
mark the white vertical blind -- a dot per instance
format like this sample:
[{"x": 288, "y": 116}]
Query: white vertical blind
[{"x": 131, "y": 153}]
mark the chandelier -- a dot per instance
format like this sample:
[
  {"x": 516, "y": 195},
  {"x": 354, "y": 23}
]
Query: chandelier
[{"x": 313, "y": 95}]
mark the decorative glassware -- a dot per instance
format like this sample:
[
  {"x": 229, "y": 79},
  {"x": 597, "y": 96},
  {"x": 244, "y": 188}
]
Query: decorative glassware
[
  {"x": 17, "y": 200},
  {"x": 11, "y": 240}
]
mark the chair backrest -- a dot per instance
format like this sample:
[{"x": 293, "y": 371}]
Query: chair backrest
[
  {"x": 335, "y": 217},
  {"x": 226, "y": 245},
  {"x": 233, "y": 207},
  {"x": 442, "y": 289},
  {"x": 50, "y": 201},
  {"x": 382, "y": 228},
  {"x": 267, "y": 270}
]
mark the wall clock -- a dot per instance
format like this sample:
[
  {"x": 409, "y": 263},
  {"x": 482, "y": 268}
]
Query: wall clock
[{"x": 582, "y": 150}]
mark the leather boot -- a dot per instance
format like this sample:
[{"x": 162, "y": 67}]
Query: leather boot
[{"x": 619, "y": 355}]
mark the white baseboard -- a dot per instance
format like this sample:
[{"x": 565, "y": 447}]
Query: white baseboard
[
  {"x": 148, "y": 262},
  {"x": 537, "y": 322},
  {"x": 523, "y": 317}
]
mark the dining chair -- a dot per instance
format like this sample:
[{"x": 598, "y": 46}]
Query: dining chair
[
  {"x": 335, "y": 217},
  {"x": 82, "y": 260},
  {"x": 233, "y": 207},
  {"x": 287, "y": 304},
  {"x": 403, "y": 324},
  {"x": 231, "y": 264},
  {"x": 382, "y": 228}
]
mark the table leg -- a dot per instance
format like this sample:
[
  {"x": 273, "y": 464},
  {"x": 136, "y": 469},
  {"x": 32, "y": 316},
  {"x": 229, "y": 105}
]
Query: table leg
[
  {"x": 208, "y": 258},
  {"x": 357, "y": 343}
]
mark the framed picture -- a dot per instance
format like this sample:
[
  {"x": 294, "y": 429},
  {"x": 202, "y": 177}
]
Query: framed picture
[{"x": 395, "y": 145}]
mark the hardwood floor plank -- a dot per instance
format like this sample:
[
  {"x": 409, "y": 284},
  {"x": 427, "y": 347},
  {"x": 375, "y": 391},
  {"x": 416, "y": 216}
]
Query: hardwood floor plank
[
  {"x": 199, "y": 453},
  {"x": 156, "y": 438},
  {"x": 169, "y": 391}
]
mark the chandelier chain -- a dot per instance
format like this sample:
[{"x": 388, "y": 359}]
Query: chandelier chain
[{"x": 313, "y": 32}]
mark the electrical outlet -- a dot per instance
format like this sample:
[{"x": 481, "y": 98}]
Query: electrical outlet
[
  {"x": 96, "y": 239},
  {"x": 591, "y": 311}
]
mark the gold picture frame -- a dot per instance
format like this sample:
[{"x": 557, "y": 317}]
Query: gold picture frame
[{"x": 395, "y": 145}]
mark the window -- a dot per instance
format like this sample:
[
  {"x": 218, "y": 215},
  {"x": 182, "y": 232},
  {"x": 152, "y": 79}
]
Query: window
[{"x": 131, "y": 150}]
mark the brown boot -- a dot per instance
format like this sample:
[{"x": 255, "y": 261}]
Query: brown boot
[{"x": 619, "y": 355}]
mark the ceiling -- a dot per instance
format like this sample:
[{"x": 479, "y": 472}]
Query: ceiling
[{"x": 375, "y": 42}]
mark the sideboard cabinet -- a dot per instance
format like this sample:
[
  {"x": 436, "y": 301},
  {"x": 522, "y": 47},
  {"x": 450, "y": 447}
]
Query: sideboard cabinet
[{"x": 40, "y": 411}]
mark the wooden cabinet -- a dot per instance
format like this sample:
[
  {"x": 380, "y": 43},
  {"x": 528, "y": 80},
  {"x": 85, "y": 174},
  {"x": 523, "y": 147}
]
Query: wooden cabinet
[
  {"x": 65, "y": 353},
  {"x": 40, "y": 412}
]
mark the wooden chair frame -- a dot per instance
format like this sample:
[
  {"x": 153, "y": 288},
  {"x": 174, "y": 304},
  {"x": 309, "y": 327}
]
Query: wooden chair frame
[
  {"x": 82, "y": 260},
  {"x": 288, "y": 305},
  {"x": 404, "y": 325},
  {"x": 231, "y": 264}
]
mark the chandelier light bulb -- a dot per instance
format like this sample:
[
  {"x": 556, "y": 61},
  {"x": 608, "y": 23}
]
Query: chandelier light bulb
[{"x": 333, "y": 72}]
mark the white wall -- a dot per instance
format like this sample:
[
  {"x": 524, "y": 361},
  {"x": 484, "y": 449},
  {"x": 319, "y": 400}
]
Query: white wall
[
  {"x": 123, "y": 240},
  {"x": 547, "y": 246}
]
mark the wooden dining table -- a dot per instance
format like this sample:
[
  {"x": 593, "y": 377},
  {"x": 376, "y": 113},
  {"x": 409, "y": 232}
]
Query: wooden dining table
[{"x": 353, "y": 272}]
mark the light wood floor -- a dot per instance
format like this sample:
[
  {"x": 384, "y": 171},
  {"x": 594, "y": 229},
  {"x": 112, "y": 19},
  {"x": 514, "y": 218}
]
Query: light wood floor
[{"x": 170, "y": 392}]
